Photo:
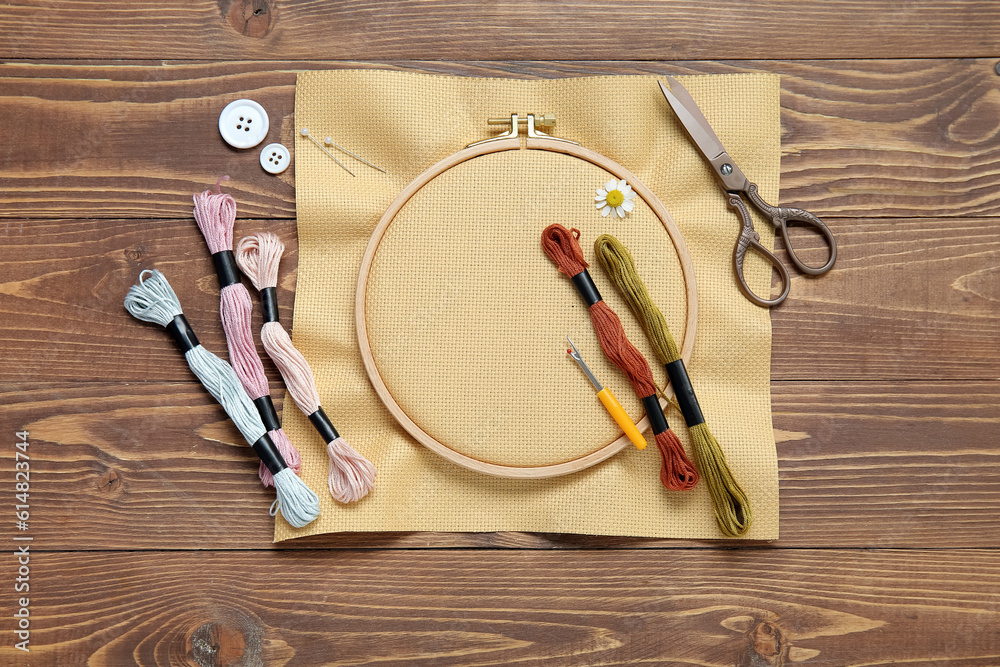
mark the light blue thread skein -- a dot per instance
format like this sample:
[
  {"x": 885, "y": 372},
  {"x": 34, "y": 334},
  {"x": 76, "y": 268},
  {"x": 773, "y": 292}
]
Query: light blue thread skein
[{"x": 153, "y": 300}]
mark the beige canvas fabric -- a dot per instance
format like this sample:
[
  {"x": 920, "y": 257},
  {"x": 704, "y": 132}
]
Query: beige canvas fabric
[{"x": 468, "y": 317}]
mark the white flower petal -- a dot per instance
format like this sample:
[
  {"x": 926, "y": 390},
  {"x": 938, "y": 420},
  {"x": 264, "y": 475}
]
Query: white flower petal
[
  {"x": 630, "y": 195},
  {"x": 610, "y": 185},
  {"x": 628, "y": 205},
  {"x": 620, "y": 212},
  {"x": 627, "y": 189},
  {"x": 601, "y": 204},
  {"x": 600, "y": 198},
  {"x": 605, "y": 211},
  {"x": 601, "y": 192},
  {"x": 622, "y": 184}
]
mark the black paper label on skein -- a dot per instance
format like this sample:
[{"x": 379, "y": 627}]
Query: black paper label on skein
[
  {"x": 586, "y": 287},
  {"x": 225, "y": 268},
  {"x": 269, "y": 304},
  {"x": 686, "y": 399},
  {"x": 324, "y": 425},
  {"x": 657, "y": 421},
  {"x": 269, "y": 454},
  {"x": 268, "y": 415},
  {"x": 182, "y": 333}
]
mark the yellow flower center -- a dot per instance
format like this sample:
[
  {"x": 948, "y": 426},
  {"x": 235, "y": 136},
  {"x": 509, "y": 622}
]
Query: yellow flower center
[{"x": 615, "y": 198}]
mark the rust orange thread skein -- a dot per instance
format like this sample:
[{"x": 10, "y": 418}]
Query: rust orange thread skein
[{"x": 563, "y": 248}]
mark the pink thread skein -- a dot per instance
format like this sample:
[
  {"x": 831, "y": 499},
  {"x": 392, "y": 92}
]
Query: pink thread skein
[
  {"x": 352, "y": 476},
  {"x": 216, "y": 217}
]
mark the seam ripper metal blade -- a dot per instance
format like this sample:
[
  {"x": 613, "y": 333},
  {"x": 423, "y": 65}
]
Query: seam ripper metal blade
[{"x": 611, "y": 403}]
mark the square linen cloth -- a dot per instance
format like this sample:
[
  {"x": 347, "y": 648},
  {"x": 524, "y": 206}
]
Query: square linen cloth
[{"x": 467, "y": 317}]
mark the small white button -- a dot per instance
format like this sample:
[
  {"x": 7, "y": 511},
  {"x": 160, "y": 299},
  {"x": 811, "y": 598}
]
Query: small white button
[
  {"x": 243, "y": 124},
  {"x": 275, "y": 158}
]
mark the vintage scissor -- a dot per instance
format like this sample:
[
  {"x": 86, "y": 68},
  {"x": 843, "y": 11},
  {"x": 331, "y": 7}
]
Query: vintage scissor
[{"x": 735, "y": 184}]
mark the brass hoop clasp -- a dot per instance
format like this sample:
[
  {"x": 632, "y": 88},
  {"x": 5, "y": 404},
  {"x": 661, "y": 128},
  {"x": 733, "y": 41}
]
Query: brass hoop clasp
[{"x": 531, "y": 121}]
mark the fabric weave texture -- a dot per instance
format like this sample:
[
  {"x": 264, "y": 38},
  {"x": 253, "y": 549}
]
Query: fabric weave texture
[{"x": 468, "y": 318}]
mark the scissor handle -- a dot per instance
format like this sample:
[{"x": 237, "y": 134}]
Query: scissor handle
[
  {"x": 781, "y": 215},
  {"x": 749, "y": 238}
]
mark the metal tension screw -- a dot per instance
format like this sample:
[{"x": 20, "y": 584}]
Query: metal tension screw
[{"x": 726, "y": 169}]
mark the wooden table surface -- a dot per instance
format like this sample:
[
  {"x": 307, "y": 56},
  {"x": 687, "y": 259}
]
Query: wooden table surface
[{"x": 151, "y": 542}]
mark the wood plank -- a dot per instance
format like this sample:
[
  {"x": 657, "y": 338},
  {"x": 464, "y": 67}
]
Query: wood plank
[
  {"x": 866, "y": 464},
  {"x": 908, "y": 299},
  {"x": 64, "y": 283},
  {"x": 877, "y": 464},
  {"x": 745, "y": 607},
  {"x": 873, "y": 138},
  {"x": 914, "y": 299},
  {"x": 514, "y": 29}
]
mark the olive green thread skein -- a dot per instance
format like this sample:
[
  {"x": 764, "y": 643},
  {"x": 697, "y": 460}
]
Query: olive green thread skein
[{"x": 729, "y": 501}]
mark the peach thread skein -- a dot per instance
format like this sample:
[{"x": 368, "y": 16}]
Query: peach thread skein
[{"x": 351, "y": 475}]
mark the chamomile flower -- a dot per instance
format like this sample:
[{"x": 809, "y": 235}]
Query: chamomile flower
[{"x": 616, "y": 198}]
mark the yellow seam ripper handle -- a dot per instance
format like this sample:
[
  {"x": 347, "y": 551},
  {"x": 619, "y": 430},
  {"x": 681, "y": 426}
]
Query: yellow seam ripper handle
[{"x": 616, "y": 410}]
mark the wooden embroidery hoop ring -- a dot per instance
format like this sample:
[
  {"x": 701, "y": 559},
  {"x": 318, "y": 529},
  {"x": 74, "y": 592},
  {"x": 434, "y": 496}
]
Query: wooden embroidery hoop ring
[{"x": 506, "y": 142}]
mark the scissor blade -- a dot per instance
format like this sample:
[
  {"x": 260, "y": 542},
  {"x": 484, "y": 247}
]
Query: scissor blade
[{"x": 692, "y": 119}]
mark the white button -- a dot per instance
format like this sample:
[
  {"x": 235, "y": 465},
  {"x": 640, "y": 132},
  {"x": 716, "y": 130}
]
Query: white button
[
  {"x": 243, "y": 124},
  {"x": 275, "y": 158}
]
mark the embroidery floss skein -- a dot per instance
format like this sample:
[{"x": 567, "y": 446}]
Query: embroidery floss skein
[
  {"x": 153, "y": 300},
  {"x": 216, "y": 216},
  {"x": 351, "y": 475},
  {"x": 563, "y": 248},
  {"x": 730, "y": 503}
]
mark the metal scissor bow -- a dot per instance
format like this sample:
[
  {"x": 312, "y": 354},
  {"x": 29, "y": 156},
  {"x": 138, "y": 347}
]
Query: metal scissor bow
[{"x": 735, "y": 184}]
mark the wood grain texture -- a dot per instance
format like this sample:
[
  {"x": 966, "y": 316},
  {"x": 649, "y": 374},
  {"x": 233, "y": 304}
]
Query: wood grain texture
[
  {"x": 885, "y": 391},
  {"x": 848, "y": 452},
  {"x": 908, "y": 299},
  {"x": 63, "y": 283},
  {"x": 140, "y": 466},
  {"x": 916, "y": 299},
  {"x": 748, "y": 608},
  {"x": 513, "y": 29},
  {"x": 879, "y": 138}
]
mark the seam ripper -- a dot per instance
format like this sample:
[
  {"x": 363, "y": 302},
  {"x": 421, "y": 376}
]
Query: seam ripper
[{"x": 611, "y": 403}]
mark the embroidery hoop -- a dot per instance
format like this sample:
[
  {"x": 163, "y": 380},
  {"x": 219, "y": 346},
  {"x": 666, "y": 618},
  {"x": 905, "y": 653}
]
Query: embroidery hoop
[{"x": 511, "y": 140}]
